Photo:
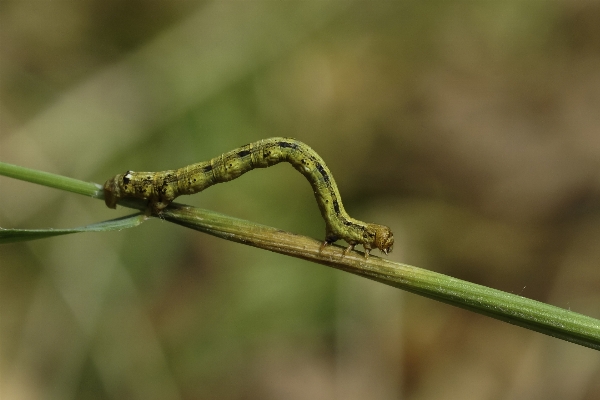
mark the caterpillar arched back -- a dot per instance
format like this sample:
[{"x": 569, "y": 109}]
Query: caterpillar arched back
[{"x": 161, "y": 188}]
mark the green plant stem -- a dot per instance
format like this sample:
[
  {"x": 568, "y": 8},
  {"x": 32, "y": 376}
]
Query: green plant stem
[
  {"x": 51, "y": 180},
  {"x": 517, "y": 310}
]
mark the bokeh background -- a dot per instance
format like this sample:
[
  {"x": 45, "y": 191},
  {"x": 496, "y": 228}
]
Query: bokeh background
[{"x": 472, "y": 128}]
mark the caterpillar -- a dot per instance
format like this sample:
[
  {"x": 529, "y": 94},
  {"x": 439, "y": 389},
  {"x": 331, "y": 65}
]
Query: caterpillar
[{"x": 161, "y": 188}]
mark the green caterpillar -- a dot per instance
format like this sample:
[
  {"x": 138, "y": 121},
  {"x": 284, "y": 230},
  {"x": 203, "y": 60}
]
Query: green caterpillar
[{"x": 161, "y": 188}]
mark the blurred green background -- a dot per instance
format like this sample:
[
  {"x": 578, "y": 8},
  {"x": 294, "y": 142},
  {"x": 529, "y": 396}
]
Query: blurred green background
[{"x": 471, "y": 128}]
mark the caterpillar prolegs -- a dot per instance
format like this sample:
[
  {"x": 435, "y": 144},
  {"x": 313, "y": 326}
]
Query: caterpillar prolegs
[{"x": 161, "y": 188}]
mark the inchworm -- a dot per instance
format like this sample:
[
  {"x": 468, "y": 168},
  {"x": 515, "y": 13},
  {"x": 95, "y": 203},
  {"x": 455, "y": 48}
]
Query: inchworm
[{"x": 161, "y": 188}]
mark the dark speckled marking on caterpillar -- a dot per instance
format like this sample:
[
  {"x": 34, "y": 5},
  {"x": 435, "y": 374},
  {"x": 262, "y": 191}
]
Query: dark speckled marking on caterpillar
[{"x": 161, "y": 188}]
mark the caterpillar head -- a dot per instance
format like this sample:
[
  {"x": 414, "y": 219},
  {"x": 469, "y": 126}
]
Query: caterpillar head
[{"x": 380, "y": 237}]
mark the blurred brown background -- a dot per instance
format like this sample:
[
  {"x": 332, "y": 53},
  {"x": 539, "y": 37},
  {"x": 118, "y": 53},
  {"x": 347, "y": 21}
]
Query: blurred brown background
[{"x": 471, "y": 128}]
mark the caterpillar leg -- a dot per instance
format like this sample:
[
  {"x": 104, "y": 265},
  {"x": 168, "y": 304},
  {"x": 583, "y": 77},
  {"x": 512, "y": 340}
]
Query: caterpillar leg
[
  {"x": 323, "y": 245},
  {"x": 328, "y": 240},
  {"x": 348, "y": 249}
]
